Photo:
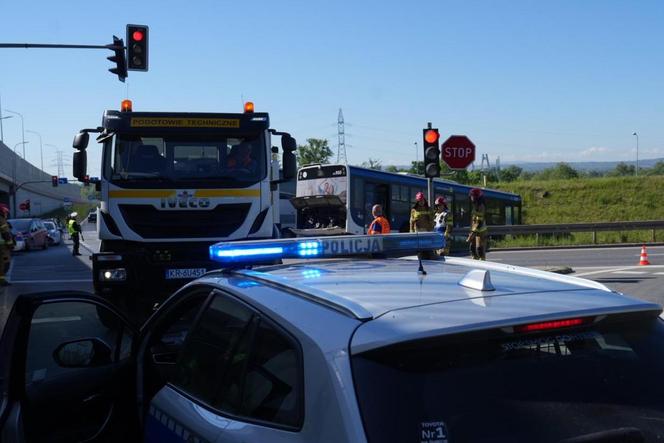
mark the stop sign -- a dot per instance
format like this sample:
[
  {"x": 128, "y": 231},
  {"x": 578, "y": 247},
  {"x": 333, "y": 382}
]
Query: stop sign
[
  {"x": 458, "y": 152},
  {"x": 23, "y": 207}
]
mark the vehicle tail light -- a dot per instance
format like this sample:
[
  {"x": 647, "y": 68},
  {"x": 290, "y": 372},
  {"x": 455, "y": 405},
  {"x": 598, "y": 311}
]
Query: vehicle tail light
[{"x": 555, "y": 324}]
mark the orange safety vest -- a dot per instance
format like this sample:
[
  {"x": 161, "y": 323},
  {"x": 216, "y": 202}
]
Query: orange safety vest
[{"x": 380, "y": 225}]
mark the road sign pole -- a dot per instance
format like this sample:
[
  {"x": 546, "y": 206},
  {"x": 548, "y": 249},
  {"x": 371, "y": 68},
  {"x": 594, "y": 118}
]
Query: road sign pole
[{"x": 430, "y": 190}]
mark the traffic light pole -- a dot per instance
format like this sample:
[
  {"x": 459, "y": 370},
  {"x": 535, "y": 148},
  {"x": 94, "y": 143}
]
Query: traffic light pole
[
  {"x": 38, "y": 45},
  {"x": 429, "y": 180}
]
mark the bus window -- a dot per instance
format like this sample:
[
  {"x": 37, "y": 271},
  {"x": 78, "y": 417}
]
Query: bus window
[
  {"x": 461, "y": 209},
  {"x": 495, "y": 214},
  {"x": 508, "y": 215},
  {"x": 357, "y": 200},
  {"x": 517, "y": 215}
]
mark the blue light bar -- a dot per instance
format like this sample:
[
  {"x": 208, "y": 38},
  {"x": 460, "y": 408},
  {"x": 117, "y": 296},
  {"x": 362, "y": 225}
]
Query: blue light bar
[{"x": 262, "y": 251}]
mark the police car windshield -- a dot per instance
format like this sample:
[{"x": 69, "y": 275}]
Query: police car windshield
[
  {"x": 221, "y": 161},
  {"x": 20, "y": 225},
  {"x": 543, "y": 388}
]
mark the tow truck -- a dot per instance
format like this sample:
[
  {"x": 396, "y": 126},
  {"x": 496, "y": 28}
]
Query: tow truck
[{"x": 171, "y": 185}]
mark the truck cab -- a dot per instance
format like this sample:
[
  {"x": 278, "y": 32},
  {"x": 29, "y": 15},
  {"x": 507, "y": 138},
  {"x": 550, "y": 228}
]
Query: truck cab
[{"x": 172, "y": 184}]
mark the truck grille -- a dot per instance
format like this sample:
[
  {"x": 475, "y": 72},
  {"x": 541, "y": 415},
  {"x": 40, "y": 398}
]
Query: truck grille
[{"x": 148, "y": 222}]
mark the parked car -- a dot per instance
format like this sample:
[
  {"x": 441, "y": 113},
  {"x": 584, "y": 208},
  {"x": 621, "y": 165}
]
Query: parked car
[
  {"x": 92, "y": 217},
  {"x": 19, "y": 242},
  {"x": 32, "y": 231},
  {"x": 54, "y": 234}
]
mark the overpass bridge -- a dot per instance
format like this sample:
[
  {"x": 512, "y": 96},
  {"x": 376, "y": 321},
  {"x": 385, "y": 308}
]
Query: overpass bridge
[{"x": 15, "y": 172}]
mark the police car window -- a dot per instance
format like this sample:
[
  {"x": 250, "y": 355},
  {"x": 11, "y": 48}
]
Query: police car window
[
  {"x": 213, "y": 350},
  {"x": 542, "y": 388},
  {"x": 241, "y": 365}
]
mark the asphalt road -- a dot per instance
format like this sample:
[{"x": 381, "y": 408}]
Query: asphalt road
[{"x": 618, "y": 268}]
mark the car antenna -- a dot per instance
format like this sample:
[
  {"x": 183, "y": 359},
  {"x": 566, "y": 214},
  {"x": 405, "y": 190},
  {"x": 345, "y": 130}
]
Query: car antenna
[{"x": 420, "y": 270}]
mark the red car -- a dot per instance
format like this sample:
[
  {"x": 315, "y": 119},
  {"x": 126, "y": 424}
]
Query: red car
[{"x": 32, "y": 230}]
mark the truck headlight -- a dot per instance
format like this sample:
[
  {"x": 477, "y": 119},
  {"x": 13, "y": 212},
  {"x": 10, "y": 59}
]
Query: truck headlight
[{"x": 118, "y": 274}]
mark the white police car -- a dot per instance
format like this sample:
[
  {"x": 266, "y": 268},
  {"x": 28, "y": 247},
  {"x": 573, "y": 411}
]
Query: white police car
[{"x": 340, "y": 350}]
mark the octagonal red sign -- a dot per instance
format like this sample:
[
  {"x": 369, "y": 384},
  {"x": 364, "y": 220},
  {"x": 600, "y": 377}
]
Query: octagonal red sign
[{"x": 458, "y": 152}]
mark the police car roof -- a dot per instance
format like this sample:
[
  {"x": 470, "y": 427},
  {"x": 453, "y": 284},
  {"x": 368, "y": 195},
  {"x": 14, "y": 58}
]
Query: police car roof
[{"x": 399, "y": 305}]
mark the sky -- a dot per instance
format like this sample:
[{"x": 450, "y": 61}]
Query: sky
[{"x": 561, "y": 80}]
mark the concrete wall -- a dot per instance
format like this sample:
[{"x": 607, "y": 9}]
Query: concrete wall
[{"x": 43, "y": 196}]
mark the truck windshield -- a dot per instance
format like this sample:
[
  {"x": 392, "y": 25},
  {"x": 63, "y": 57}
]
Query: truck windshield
[
  {"x": 543, "y": 388},
  {"x": 187, "y": 161}
]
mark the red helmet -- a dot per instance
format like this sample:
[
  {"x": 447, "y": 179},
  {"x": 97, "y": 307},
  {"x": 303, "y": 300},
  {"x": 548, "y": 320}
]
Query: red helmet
[
  {"x": 4, "y": 208},
  {"x": 419, "y": 196},
  {"x": 476, "y": 193},
  {"x": 440, "y": 201}
]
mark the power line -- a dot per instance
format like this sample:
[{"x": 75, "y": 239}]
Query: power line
[{"x": 341, "y": 134}]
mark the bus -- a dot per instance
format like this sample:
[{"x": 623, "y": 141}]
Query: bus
[{"x": 337, "y": 199}]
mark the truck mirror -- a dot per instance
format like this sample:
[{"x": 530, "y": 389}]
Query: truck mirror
[
  {"x": 80, "y": 164},
  {"x": 289, "y": 165},
  {"x": 81, "y": 141},
  {"x": 288, "y": 143}
]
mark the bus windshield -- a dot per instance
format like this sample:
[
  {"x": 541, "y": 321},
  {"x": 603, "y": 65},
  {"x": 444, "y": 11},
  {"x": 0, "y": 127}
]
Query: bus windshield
[
  {"x": 323, "y": 180},
  {"x": 221, "y": 161}
]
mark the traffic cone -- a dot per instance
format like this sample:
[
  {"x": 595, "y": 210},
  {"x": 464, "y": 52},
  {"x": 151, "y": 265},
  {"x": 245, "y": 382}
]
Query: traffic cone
[{"x": 644, "y": 256}]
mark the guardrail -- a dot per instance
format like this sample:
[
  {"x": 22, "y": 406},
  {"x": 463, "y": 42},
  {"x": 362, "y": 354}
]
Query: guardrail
[{"x": 567, "y": 228}]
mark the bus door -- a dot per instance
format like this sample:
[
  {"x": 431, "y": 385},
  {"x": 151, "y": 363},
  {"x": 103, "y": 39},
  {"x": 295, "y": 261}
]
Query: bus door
[{"x": 375, "y": 194}]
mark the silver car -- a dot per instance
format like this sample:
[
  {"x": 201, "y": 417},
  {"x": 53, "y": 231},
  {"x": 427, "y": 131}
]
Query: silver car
[
  {"x": 344, "y": 350},
  {"x": 54, "y": 233}
]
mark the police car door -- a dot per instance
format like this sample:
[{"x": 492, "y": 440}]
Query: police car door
[{"x": 66, "y": 374}]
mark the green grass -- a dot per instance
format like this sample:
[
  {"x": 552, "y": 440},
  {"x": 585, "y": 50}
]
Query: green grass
[
  {"x": 82, "y": 208},
  {"x": 603, "y": 199}
]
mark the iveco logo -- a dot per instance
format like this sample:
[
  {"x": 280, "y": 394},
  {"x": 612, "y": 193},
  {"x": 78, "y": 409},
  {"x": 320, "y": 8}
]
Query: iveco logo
[{"x": 185, "y": 200}]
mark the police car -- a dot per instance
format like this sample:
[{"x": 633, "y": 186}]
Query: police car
[{"x": 330, "y": 349}]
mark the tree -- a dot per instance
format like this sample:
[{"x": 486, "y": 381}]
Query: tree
[
  {"x": 622, "y": 169},
  {"x": 416, "y": 168},
  {"x": 562, "y": 171},
  {"x": 372, "y": 164},
  {"x": 510, "y": 173},
  {"x": 391, "y": 168},
  {"x": 315, "y": 151},
  {"x": 658, "y": 169}
]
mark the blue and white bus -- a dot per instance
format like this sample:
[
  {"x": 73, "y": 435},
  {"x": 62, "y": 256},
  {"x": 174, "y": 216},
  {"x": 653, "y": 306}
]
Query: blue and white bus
[{"x": 337, "y": 199}]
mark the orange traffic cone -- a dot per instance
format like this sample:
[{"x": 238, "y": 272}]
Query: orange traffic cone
[{"x": 644, "y": 256}]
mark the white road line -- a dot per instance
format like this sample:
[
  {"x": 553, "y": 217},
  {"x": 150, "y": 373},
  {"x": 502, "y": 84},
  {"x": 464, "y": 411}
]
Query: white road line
[
  {"x": 611, "y": 269},
  {"x": 33, "y": 282},
  {"x": 629, "y": 272},
  {"x": 658, "y": 273},
  {"x": 55, "y": 319}
]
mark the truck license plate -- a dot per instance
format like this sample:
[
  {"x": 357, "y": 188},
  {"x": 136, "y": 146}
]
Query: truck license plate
[{"x": 172, "y": 274}]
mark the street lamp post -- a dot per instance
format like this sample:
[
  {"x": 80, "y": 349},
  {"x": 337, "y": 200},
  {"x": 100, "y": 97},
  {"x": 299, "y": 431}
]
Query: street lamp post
[
  {"x": 22, "y": 129},
  {"x": 637, "y": 153},
  {"x": 12, "y": 188},
  {"x": 41, "y": 147},
  {"x": 2, "y": 135}
]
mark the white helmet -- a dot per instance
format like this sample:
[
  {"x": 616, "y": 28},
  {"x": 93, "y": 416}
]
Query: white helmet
[{"x": 73, "y": 214}]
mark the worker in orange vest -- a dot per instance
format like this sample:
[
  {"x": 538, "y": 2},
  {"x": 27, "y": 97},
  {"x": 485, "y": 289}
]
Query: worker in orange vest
[{"x": 379, "y": 225}]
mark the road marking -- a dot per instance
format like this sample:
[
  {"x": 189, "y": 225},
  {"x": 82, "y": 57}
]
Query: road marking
[
  {"x": 611, "y": 269},
  {"x": 55, "y": 319},
  {"x": 658, "y": 273},
  {"x": 629, "y": 272},
  {"x": 32, "y": 282}
]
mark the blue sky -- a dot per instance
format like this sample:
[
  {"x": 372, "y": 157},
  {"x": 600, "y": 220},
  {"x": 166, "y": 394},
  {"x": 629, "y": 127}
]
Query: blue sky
[{"x": 525, "y": 80}]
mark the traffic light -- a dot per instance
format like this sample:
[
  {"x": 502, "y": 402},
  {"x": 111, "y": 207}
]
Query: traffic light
[
  {"x": 137, "y": 47},
  {"x": 86, "y": 180},
  {"x": 54, "y": 181},
  {"x": 431, "y": 152},
  {"x": 119, "y": 59}
]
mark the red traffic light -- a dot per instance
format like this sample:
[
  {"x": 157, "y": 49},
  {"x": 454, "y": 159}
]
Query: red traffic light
[
  {"x": 431, "y": 136},
  {"x": 137, "y": 36}
]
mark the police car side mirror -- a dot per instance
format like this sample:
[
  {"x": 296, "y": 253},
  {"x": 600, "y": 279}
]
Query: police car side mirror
[{"x": 85, "y": 353}]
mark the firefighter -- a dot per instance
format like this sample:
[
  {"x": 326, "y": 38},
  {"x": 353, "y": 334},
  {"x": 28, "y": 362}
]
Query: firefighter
[
  {"x": 478, "y": 230},
  {"x": 421, "y": 217},
  {"x": 6, "y": 244},
  {"x": 75, "y": 233},
  {"x": 443, "y": 223},
  {"x": 379, "y": 225}
]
